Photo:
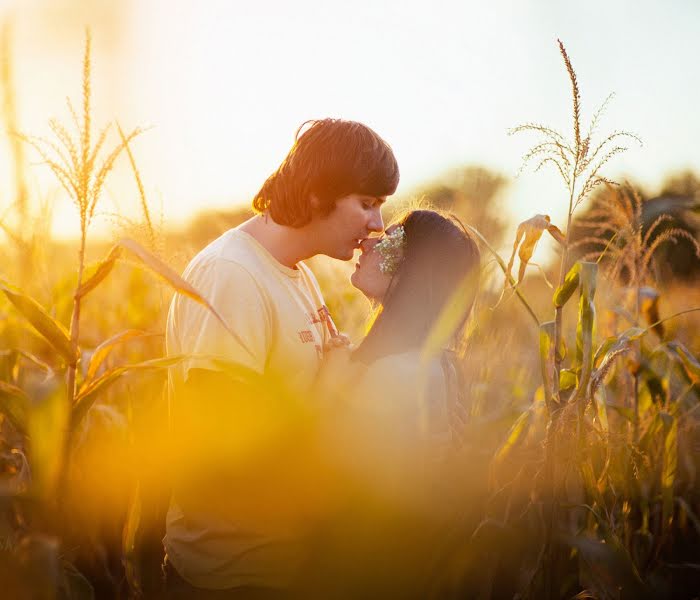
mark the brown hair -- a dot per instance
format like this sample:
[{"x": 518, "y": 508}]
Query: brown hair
[
  {"x": 330, "y": 159},
  {"x": 439, "y": 256}
]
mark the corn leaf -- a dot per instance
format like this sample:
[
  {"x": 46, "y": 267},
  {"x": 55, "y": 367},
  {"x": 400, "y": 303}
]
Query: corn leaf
[
  {"x": 14, "y": 403},
  {"x": 104, "y": 349},
  {"x": 608, "y": 351},
  {"x": 29, "y": 357},
  {"x": 567, "y": 379},
  {"x": 89, "y": 392},
  {"x": 689, "y": 362},
  {"x": 615, "y": 343},
  {"x": 52, "y": 331},
  {"x": 516, "y": 432},
  {"x": 584, "y": 329},
  {"x": 670, "y": 465},
  {"x": 528, "y": 234},
  {"x": 547, "y": 364},
  {"x": 163, "y": 271},
  {"x": 103, "y": 269},
  {"x": 649, "y": 308},
  {"x": 570, "y": 285},
  {"x": 601, "y": 409}
]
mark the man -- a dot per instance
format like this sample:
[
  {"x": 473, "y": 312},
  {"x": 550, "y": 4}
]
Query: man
[{"x": 325, "y": 198}]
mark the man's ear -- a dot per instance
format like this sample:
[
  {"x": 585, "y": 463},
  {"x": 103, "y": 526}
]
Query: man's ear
[{"x": 315, "y": 205}]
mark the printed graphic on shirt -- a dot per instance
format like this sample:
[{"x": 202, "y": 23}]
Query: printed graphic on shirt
[
  {"x": 306, "y": 336},
  {"x": 324, "y": 316}
]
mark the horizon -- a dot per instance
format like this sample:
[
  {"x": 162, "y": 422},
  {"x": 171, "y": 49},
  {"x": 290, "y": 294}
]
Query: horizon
[{"x": 450, "y": 81}]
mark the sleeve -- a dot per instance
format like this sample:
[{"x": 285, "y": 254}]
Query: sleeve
[{"x": 240, "y": 302}]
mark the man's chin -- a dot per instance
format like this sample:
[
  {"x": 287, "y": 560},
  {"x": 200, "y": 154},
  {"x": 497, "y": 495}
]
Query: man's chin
[{"x": 345, "y": 254}]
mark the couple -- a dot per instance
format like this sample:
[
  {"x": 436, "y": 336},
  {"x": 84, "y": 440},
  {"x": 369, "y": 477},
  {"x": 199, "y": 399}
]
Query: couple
[{"x": 325, "y": 198}]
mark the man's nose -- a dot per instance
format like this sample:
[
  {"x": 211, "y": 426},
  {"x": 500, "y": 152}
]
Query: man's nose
[{"x": 376, "y": 223}]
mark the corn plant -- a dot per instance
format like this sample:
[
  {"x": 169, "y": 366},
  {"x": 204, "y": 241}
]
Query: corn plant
[
  {"x": 597, "y": 503},
  {"x": 50, "y": 407}
]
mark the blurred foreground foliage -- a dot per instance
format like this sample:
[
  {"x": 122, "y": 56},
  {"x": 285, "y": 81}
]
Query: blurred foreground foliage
[{"x": 578, "y": 478}]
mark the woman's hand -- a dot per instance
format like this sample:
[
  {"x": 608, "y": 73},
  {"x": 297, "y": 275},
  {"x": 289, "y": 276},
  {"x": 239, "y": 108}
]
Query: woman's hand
[{"x": 338, "y": 341}]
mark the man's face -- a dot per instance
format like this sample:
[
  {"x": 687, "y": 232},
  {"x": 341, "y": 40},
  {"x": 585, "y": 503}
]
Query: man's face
[
  {"x": 353, "y": 219},
  {"x": 376, "y": 266}
]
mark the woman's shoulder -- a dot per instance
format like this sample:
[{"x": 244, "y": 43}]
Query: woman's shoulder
[
  {"x": 410, "y": 361},
  {"x": 406, "y": 370}
]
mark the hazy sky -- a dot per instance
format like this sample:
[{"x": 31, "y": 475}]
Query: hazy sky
[{"x": 226, "y": 83}]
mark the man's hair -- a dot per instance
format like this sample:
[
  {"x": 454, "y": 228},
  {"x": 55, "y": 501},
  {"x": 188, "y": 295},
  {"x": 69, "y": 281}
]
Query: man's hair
[{"x": 330, "y": 158}]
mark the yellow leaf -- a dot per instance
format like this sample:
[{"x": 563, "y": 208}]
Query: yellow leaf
[
  {"x": 103, "y": 269},
  {"x": 52, "y": 331},
  {"x": 528, "y": 234},
  {"x": 159, "y": 268}
]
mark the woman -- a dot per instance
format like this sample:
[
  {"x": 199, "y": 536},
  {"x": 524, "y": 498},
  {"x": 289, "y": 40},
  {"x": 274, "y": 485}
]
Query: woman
[
  {"x": 421, "y": 278},
  {"x": 394, "y": 402}
]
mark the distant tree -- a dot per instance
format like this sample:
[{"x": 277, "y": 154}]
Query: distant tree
[
  {"x": 685, "y": 184},
  {"x": 676, "y": 208}
]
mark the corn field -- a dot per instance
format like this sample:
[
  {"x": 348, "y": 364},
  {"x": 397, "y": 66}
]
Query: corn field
[{"x": 578, "y": 475}]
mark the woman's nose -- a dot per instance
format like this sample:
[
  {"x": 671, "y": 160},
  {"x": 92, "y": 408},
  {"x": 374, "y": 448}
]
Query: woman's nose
[{"x": 367, "y": 244}]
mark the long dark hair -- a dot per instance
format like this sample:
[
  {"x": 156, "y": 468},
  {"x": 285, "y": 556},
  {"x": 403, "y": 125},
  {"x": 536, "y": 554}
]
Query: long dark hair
[
  {"x": 330, "y": 158},
  {"x": 439, "y": 256}
]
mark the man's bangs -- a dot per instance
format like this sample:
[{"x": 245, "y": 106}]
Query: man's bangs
[{"x": 378, "y": 175}]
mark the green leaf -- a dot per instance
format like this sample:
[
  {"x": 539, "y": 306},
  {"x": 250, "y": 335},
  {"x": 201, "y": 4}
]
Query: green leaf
[
  {"x": 601, "y": 410},
  {"x": 567, "y": 379},
  {"x": 608, "y": 351},
  {"x": 689, "y": 362},
  {"x": 516, "y": 431},
  {"x": 547, "y": 364},
  {"x": 570, "y": 285},
  {"x": 670, "y": 465},
  {"x": 586, "y": 321},
  {"x": 617, "y": 341},
  {"x": 52, "y": 331}
]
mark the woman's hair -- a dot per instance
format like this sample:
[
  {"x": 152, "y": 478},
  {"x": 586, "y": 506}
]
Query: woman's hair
[
  {"x": 330, "y": 159},
  {"x": 439, "y": 256}
]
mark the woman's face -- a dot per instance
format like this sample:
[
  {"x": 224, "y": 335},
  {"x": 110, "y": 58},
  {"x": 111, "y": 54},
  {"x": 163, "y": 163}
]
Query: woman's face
[{"x": 378, "y": 261}]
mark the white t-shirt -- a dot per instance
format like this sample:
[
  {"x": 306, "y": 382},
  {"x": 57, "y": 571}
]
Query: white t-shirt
[{"x": 279, "y": 316}]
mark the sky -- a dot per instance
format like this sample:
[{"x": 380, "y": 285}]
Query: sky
[{"x": 223, "y": 86}]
